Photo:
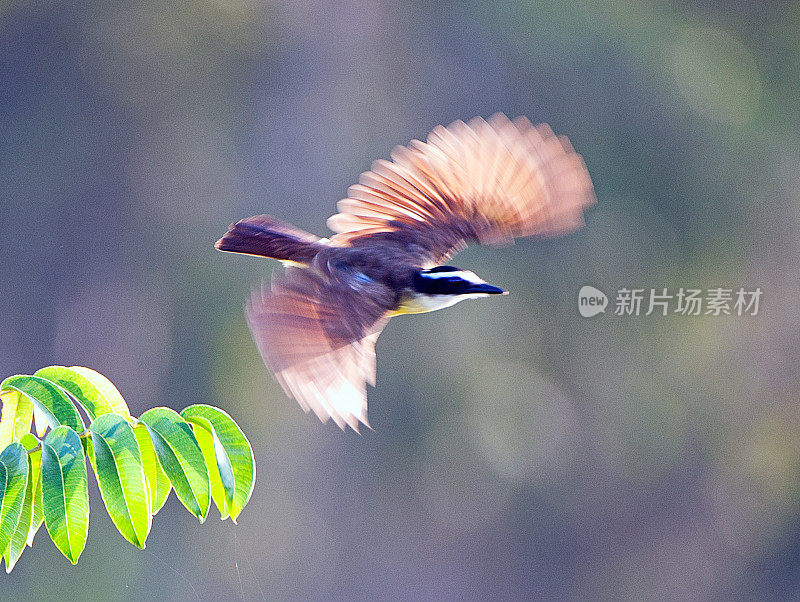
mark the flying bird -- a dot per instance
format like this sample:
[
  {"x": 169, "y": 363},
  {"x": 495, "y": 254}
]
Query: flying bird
[{"x": 488, "y": 181}]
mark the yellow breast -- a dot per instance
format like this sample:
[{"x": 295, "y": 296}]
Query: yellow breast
[{"x": 420, "y": 304}]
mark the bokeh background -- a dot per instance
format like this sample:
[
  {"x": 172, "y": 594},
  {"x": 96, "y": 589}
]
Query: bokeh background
[{"x": 519, "y": 450}]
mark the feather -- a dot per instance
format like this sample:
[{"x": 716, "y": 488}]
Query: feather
[
  {"x": 265, "y": 236},
  {"x": 489, "y": 181},
  {"x": 317, "y": 334}
]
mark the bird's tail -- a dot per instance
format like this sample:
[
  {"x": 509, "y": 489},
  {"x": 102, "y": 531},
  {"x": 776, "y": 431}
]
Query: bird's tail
[{"x": 266, "y": 236}]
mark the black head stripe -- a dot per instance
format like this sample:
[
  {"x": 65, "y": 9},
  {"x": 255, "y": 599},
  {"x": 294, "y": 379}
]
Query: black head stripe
[
  {"x": 441, "y": 285},
  {"x": 442, "y": 268}
]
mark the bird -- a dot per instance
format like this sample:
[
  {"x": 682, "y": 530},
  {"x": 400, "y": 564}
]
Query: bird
[{"x": 485, "y": 180}]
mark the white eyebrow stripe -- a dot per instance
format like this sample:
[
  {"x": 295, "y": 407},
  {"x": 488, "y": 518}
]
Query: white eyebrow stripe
[{"x": 463, "y": 274}]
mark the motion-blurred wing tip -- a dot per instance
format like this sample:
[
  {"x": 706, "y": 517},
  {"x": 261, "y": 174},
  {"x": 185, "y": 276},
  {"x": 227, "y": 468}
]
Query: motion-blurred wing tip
[{"x": 487, "y": 179}]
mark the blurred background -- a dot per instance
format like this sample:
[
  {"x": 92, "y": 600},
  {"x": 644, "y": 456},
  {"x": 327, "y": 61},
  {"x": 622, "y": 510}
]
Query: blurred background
[{"x": 519, "y": 449}]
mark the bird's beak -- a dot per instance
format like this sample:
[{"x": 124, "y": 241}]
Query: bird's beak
[{"x": 487, "y": 289}]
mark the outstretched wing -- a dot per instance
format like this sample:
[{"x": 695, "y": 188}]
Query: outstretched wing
[
  {"x": 317, "y": 334},
  {"x": 489, "y": 181}
]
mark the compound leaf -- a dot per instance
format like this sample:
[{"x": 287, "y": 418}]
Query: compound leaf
[{"x": 201, "y": 453}]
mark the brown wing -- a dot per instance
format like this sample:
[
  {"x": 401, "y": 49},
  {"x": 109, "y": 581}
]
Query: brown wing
[
  {"x": 489, "y": 181},
  {"x": 317, "y": 334}
]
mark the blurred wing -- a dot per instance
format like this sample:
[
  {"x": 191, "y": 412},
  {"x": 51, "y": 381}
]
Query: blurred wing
[
  {"x": 489, "y": 181},
  {"x": 317, "y": 335}
]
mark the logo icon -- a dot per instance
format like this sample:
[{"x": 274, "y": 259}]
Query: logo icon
[{"x": 591, "y": 301}]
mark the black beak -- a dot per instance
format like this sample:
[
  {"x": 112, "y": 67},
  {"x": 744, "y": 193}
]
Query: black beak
[{"x": 486, "y": 289}]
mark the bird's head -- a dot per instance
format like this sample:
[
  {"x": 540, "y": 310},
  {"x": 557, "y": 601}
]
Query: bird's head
[{"x": 452, "y": 282}]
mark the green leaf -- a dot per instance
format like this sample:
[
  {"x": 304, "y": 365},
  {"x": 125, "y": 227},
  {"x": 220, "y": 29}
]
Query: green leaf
[
  {"x": 16, "y": 417},
  {"x": 65, "y": 493},
  {"x": 20, "y": 536},
  {"x": 117, "y": 462},
  {"x": 38, "y": 503},
  {"x": 181, "y": 458},
  {"x": 91, "y": 389},
  {"x": 220, "y": 473},
  {"x": 202, "y": 455},
  {"x": 231, "y": 448},
  {"x": 49, "y": 398},
  {"x": 157, "y": 481},
  {"x": 13, "y": 482},
  {"x": 31, "y": 443}
]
